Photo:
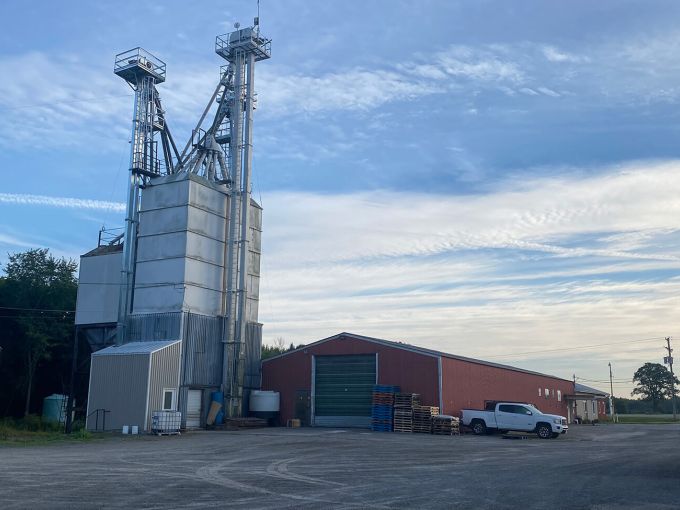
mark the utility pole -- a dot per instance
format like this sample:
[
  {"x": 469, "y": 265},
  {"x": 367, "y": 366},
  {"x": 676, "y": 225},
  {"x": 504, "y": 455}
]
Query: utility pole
[
  {"x": 669, "y": 361},
  {"x": 575, "y": 404},
  {"x": 71, "y": 389},
  {"x": 611, "y": 393}
]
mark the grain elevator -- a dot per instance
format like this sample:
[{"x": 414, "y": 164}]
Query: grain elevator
[{"x": 169, "y": 304}]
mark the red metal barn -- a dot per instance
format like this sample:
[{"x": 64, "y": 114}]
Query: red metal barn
[{"x": 329, "y": 382}]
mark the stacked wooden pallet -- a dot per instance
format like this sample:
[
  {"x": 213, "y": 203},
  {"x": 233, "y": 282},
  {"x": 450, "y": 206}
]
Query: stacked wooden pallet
[
  {"x": 403, "y": 411},
  {"x": 406, "y": 400},
  {"x": 383, "y": 407},
  {"x": 445, "y": 425},
  {"x": 422, "y": 418},
  {"x": 403, "y": 420}
]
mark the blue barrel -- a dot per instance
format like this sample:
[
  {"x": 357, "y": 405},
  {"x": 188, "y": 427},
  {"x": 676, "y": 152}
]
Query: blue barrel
[
  {"x": 54, "y": 408},
  {"x": 219, "y": 418},
  {"x": 218, "y": 396}
]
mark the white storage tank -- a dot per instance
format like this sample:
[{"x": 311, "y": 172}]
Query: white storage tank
[{"x": 264, "y": 404}]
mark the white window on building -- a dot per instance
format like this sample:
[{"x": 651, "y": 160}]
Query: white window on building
[
  {"x": 594, "y": 408},
  {"x": 547, "y": 393},
  {"x": 539, "y": 392},
  {"x": 169, "y": 399},
  {"x": 559, "y": 396}
]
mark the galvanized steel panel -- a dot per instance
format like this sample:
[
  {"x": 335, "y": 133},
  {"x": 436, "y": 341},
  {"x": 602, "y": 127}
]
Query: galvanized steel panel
[
  {"x": 118, "y": 384},
  {"x": 168, "y": 191},
  {"x": 98, "y": 288},
  {"x": 134, "y": 348},
  {"x": 155, "y": 247},
  {"x": 253, "y": 366},
  {"x": 154, "y": 326},
  {"x": 180, "y": 256},
  {"x": 164, "y": 375},
  {"x": 203, "y": 350}
]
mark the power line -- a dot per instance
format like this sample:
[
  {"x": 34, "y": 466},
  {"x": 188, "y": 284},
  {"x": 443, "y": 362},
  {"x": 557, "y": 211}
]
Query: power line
[
  {"x": 600, "y": 380},
  {"x": 41, "y": 310},
  {"x": 651, "y": 339},
  {"x": 53, "y": 318},
  {"x": 622, "y": 381},
  {"x": 35, "y": 309}
]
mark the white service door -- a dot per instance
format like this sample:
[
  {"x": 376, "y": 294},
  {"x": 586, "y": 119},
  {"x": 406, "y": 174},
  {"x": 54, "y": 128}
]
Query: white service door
[{"x": 194, "y": 399}]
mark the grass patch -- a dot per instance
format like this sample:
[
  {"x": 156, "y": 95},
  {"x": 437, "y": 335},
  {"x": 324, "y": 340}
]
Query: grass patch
[
  {"x": 647, "y": 418},
  {"x": 32, "y": 430}
]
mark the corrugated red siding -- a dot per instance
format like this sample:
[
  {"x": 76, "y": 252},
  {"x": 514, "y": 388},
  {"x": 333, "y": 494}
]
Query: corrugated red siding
[
  {"x": 464, "y": 384},
  {"x": 602, "y": 409},
  {"x": 468, "y": 385},
  {"x": 413, "y": 372}
]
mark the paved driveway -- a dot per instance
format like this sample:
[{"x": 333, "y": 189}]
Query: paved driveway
[{"x": 608, "y": 466}]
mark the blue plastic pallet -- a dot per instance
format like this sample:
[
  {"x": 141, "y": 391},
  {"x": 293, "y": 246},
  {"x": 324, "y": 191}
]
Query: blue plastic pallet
[
  {"x": 381, "y": 407},
  {"x": 385, "y": 388},
  {"x": 382, "y": 411}
]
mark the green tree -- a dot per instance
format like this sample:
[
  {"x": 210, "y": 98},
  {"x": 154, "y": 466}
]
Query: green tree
[
  {"x": 654, "y": 383},
  {"x": 279, "y": 347},
  {"x": 40, "y": 292}
]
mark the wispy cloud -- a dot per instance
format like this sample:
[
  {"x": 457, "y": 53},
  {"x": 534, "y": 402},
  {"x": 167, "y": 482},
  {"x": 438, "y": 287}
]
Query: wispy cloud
[
  {"x": 59, "y": 100},
  {"x": 65, "y": 101},
  {"x": 14, "y": 241},
  {"x": 568, "y": 260},
  {"x": 83, "y": 103},
  {"x": 479, "y": 64},
  {"x": 356, "y": 89},
  {"x": 533, "y": 217},
  {"x": 61, "y": 202},
  {"x": 554, "y": 54},
  {"x": 451, "y": 69}
]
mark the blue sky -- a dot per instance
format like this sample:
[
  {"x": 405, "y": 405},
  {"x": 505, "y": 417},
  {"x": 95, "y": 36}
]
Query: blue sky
[{"x": 487, "y": 178}]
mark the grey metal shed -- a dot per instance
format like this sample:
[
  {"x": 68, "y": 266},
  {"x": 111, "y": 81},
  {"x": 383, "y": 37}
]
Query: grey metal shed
[{"x": 130, "y": 381}]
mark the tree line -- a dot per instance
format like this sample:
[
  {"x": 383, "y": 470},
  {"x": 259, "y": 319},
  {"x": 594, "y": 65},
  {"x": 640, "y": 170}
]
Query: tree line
[
  {"x": 279, "y": 347},
  {"x": 37, "y": 303}
]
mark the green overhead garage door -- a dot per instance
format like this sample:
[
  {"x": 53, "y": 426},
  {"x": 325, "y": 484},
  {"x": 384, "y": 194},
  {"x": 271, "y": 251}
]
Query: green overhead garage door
[{"x": 343, "y": 387}]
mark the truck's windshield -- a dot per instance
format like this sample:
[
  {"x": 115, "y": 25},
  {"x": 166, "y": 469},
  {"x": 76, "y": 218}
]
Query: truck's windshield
[{"x": 533, "y": 408}]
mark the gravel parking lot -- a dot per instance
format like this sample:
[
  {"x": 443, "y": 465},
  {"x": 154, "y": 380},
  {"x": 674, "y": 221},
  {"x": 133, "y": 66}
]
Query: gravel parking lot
[{"x": 608, "y": 466}]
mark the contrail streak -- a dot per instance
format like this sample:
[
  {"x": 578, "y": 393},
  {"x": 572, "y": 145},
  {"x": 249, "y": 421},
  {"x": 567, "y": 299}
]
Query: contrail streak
[{"x": 69, "y": 203}]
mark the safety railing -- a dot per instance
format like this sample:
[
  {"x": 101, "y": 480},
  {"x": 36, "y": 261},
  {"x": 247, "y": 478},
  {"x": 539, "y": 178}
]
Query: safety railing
[{"x": 96, "y": 421}]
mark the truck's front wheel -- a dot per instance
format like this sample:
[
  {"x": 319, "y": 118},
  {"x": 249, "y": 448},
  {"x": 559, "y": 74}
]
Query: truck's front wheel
[
  {"x": 478, "y": 427},
  {"x": 544, "y": 431}
]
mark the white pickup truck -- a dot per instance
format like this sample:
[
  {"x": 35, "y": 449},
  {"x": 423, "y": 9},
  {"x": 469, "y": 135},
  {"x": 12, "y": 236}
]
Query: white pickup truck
[{"x": 507, "y": 416}]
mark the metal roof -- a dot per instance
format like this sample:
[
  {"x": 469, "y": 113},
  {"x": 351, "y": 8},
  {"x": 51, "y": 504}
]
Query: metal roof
[
  {"x": 582, "y": 388},
  {"x": 418, "y": 350},
  {"x": 104, "y": 249},
  {"x": 135, "y": 348}
]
